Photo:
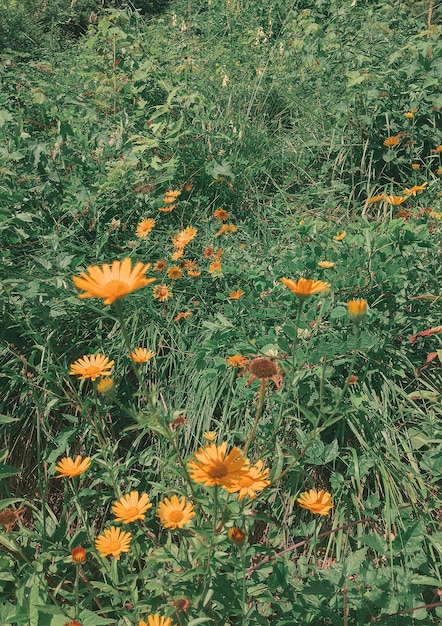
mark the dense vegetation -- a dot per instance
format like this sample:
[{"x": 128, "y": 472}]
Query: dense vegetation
[{"x": 300, "y": 140}]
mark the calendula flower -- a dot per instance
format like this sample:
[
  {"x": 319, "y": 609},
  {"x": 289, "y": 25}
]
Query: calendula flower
[
  {"x": 106, "y": 386},
  {"x": 391, "y": 141},
  {"x": 174, "y": 272},
  {"x": 326, "y": 265},
  {"x": 415, "y": 189},
  {"x": 141, "y": 355},
  {"x": 357, "y": 310},
  {"x": 111, "y": 283},
  {"x": 156, "y": 620},
  {"x": 167, "y": 209},
  {"x": 175, "y": 513},
  {"x": 439, "y": 171},
  {"x": 160, "y": 266},
  {"x": 395, "y": 200},
  {"x": 78, "y": 555},
  {"x": 318, "y": 502},
  {"x": 182, "y": 315},
  {"x": 144, "y": 228},
  {"x": 91, "y": 366},
  {"x": 213, "y": 466},
  {"x": 162, "y": 293},
  {"x": 340, "y": 236},
  {"x": 210, "y": 435},
  {"x": 215, "y": 268},
  {"x": 377, "y": 198},
  {"x": 221, "y": 215},
  {"x": 304, "y": 287},
  {"x": 255, "y": 480},
  {"x": 177, "y": 254},
  {"x": 171, "y": 196},
  {"x": 131, "y": 507},
  {"x": 194, "y": 273},
  {"x": 190, "y": 265},
  {"x": 236, "y": 295},
  {"x": 237, "y": 360},
  {"x": 113, "y": 542},
  {"x": 437, "y": 150},
  {"x": 236, "y": 535},
  {"x": 415, "y": 166},
  {"x": 409, "y": 115},
  {"x": 69, "y": 468},
  {"x": 184, "y": 237},
  {"x": 226, "y": 228}
]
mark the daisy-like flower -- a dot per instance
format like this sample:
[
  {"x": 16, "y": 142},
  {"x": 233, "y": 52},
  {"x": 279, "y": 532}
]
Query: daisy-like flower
[
  {"x": 91, "y": 366},
  {"x": 131, "y": 507},
  {"x": 409, "y": 115},
  {"x": 105, "y": 386},
  {"x": 141, "y": 355},
  {"x": 255, "y": 480},
  {"x": 326, "y": 265},
  {"x": 194, "y": 273},
  {"x": 156, "y": 620},
  {"x": 415, "y": 166},
  {"x": 113, "y": 542},
  {"x": 175, "y": 513},
  {"x": 374, "y": 199},
  {"x": 160, "y": 266},
  {"x": 144, "y": 228},
  {"x": 78, "y": 555},
  {"x": 226, "y": 228},
  {"x": 357, "y": 309},
  {"x": 396, "y": 200},
  {"x": 437, "y": 150},
  {"x": 304, "y": 287},
  {"x": 318, "y": 502},
  {"x": 215, "y": 268},
  {"x": 168, "y": 208},
  {"x": 340, "y": 236},
  {"x": 415, "y": 189},
  {"x": 210, "y": 435},
  {"x": 111, "y": 283},
  {"x": 177, "y": 254},
  {"x": 237, "y": 360},
  {"x": 184, "y": 237},
  {"x": 213, "y": 466},
  {"x": 171, "y": 196},
  {"x": 183, "y": 315},
  {"x": 174, "y": 272},
  {"x": 69, "y": 468},
  {"x": 190, "y": 265},
  {"x": 162, "y": 292},
  {"x": 236, "y": 295},
  {"x": 392, "y": 141},
  {"x": 221, "y": 215}
]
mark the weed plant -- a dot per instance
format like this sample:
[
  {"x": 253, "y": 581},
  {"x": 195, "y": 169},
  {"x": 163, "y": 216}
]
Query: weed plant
[{"x": 223, "y": 441}]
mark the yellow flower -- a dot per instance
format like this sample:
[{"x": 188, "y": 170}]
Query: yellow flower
[
  {"x": 391, "y": 141},
  {"x": 111, "y": 283},
  {"x": 141, "y": 355},
  {"x": 377, "y": 198},
  {"x": 175, "y": 513},
  {"x": 396, "y": 200},
  {"x": 415, "y": 189},
  {"x": 174, "y": 272},
  {"x": 113, "y": 542},
  {"x": 162, "y": 292},
  {"x": 210, "y": 435},
  {"x": 156, "y": 620},
  {"x": 105, "y": 386},
  {"x": 326, "y": 265},
  {"x": 255, "y": 480},
  {"x": 91, "y": 366},
  {"x": 144, "y": 228},
  {"x": 221, "y": 215},
  {"x": 184, "y": 237},
  {"x": 409, "y": 115},
  {"x": 305, "y": 287},
  {"x": 415, "y": 166},
  {"x": 182, "y": 315},
  {"x": 237, "y": 360},
  {"x": 160, "y": 266},
  {"x": 318, "y": 502},
  {"x": 131, "y": 507},
  {"x": 357, "y": 309},
  {"x": 213, "y": 466},
  {"x": 340, "y": 236},
  {"x": 236, "y": 295},
  {"x": 69, "y": 468},
  {"x": 226, "y": 228}
]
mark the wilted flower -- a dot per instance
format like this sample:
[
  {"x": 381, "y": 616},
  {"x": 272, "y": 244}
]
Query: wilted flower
[
  {"x": 264, "y": 369},
  {"x": 221, "y": 215},
  {"x": 236, "y": 535},
  {"x": 182, "y": 315}
]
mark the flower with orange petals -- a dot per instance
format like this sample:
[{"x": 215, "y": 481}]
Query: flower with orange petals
[
  {"x": 415, "y": 189},
  {"x": 340, "y": 236},
  {"x": 131, "y": 507},
  {"x": 113, "y": 542},
  {"x": 156, "y": 620},
  {"x": 144, "y": 228},
  {"x": 141, "y": 355},
  {"x": 112, "y": 282},
  {"x": 236, "y": 535},
  {"x": 326, "y": 265},
  {"x": 304, "y": 287},
  {"x": 68, "y": 468},
  {"x": 392, "y": 141},
  {"x": 162, "y": 292},
  {"x": 184, "y": 237},
  {"x": 175, "y": 512},
  {"x": 318, "y": 502},
  {"x": 212, "y": 466},
  {"x": 182, "y": 315},
  {"x": 415, "y": 166},
  {"x": 357, "y": 310},
  {"x": 255, "y": 480},
  {"x": 396, "y": 200},
  {"x": 237, "y": 360},
  {"x": 215, "y": 268},
  {"x": 374, "y": 199},
  {"x": 226, "y": 229},
  {"x": 171, "y": 196},
  {"x": 160, "y": 266},
  {"x": 236, "y": 295},
  {"x": 91, "y": 366},
  {"x": 78, "y": 555},
  {"x": 174, "y": 272},
  {"x": 167, "y": 209},
  {"x": 221, "y": 215}
]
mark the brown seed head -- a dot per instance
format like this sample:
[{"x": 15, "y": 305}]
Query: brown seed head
[{"x": 263, "y": 368}]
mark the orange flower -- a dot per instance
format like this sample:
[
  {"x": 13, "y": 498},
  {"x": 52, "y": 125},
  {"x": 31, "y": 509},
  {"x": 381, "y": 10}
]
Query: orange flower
[
  {"x": 340, "y": 236},
  {"x": 144, "y": 228},
  {"x": 214, "y": 466},
  {"x": 183, "y": 315},
  {"x": 304, "y": 288},
  {"x": 210, "y": 435},
  {"x": 357, "y": 309},
  {"x": 409, "y": 115},
  {"x": 174, "y": 272},
  {"x": 326, "y": 265},
  {"x": 237, "y": 360},
  {"x": 377, "y": 198},
  {"x": 415, "y": 189},
  {"x": 215, "y": 267},
  {"x": 391, "y": 141},
  {"x": 236, "y": 535},
  {"x": 184, "y": 237},
  {"x": 437, "y": 150},
  {"x": 236, "y": 295},
  {"x": 226, "y": 228},
  {"x": 194, "y": 273},
  {"x": 255, "y": 480},
  {"x": 167, "y": 209},
  {"x": 177, "y": 254},
  {"x": 113, "y": 542},
  {"x": 175, "y": 513},
  {"x": 91, "y": 366},
  {"x": 190, "y": 265},
  {"x": 69, "y": 468},
  {"x": 111, "y": 283},
  {"x": 395, "y": 200},
  {"x": 162, "y": 292},
  {"x": 131, "y": 507},
  {"x": 221, "y": 215},
  {"x": 415, "y": 166},
  {"x": 171, "y": 196},
  {"x": 141, "y": 355},
  {"x": 160, "y": 266},
  {"x": 209, "y": 252},
  {"x": 318, "y": 502},
  {"x": 78, "y": 554}
]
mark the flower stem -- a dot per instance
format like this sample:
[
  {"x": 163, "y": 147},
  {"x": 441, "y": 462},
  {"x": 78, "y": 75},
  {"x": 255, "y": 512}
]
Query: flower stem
[{"x": 259, "y": 407}]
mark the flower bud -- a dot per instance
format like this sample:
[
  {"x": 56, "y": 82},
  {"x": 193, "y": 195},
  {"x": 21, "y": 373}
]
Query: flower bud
[
  {"x": 78, "y": 555},
  {"x": 106, "y": 386},
  {"x": 236, "y": 535}
]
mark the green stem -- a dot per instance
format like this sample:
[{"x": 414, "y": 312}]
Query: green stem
[
  {"x": 76, "y": 591},
  {"x": 244, "y": 607},
  {"x": 211, "y": 542},
  {"x": 258, "y": 413},
  {"x": 295, "y": 340}
]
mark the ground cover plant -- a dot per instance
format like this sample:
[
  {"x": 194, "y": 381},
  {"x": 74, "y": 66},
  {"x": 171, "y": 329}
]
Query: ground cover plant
[{"x": 221, "y": 343}]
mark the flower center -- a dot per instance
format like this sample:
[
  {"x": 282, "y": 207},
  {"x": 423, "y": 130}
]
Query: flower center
[
  {"x": 218, "y": 471},
  {"x": 117, "y": 288},
  {"x": 132, "y": 511},
  {"x": 114, "y": 545},
  {"x": 92, "y": 371},
  {"x": 176, "y": 516}
]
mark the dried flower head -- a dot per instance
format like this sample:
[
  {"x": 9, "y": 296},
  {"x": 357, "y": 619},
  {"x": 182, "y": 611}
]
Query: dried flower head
[
  {"x": 9, "y": 517},
  {"x": 264, "y": 369}
]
